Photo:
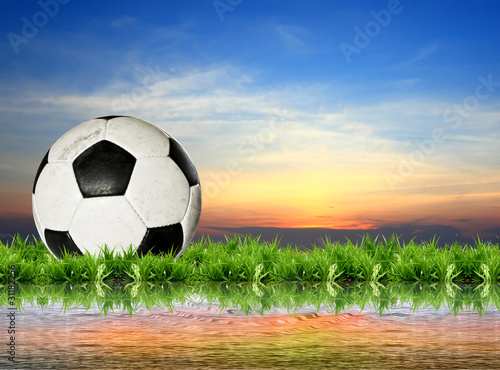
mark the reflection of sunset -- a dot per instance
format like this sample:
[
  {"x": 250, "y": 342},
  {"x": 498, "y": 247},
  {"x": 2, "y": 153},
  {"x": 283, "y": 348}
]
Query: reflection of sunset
[{"x": 199, "y": 336}]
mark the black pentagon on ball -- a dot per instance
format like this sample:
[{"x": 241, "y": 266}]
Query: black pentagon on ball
[
  {"x": 45, "y": 161},
  {"x": 104, "y": 169},
  {"x": 168, "y": 239},
  {"x": 110, "y": 117},
  {"x": 58, "y": 241},
  {"x": 181, "y": 159}
]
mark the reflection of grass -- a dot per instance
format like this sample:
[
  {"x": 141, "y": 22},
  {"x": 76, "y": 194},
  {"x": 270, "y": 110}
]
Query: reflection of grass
[
  {"x": 258, "y": 297},
  {"x": 246, "y": 259}
]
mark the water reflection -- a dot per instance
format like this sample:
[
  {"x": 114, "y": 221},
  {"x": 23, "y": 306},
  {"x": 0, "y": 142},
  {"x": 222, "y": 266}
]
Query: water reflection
[{"x": 376, "y": 328}]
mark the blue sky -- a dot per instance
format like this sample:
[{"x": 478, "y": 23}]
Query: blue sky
[
  {"x": 215, "y": 81},
  {"x": 282, "y": 42}
]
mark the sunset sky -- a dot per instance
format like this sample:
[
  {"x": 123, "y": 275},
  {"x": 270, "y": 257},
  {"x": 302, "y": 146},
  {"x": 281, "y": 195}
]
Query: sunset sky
[{"x": 297, "y": 114}]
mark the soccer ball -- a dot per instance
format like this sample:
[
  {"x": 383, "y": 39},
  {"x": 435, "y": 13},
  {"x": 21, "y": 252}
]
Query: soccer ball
[{"x": 116, "y": 181}]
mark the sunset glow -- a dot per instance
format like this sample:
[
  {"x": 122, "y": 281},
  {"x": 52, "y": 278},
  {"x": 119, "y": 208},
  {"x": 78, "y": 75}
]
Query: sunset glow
[{"x": 295, "y": 115}]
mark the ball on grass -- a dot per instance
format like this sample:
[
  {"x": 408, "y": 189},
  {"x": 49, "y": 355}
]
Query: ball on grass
[{"x": 116, "y": 181}]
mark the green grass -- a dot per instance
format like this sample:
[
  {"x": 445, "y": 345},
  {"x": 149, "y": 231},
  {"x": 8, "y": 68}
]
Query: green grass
[{"x": 245, "y": 259}]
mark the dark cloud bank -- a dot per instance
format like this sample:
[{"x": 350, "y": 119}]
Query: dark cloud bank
[{"x": 302, "y": 237}]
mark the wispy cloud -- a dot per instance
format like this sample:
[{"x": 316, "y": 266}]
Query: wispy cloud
[
  {"x": 402, "y": 83},
  {"x": 469, "y": 188},
  {"x": 422, "y": 54},
  {"x": 223, "y": 105},
  {"x": 123, "y": 21},
  {"x": 294, "y": 37}
]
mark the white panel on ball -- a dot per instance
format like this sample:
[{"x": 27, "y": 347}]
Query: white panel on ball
[
  {"x": 57, "y": 196},
  {"x": 106, "y": 220},
  {"x": 139, "y": 138},
  {"x": 192, "y": 217},
  {"x": 158, "y": 191},
  {"x": 77, "y": 140},
  {"x": 38, "y": 223}
]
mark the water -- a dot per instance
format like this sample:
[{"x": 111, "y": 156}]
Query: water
[{"x": 197, "y": 335}]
